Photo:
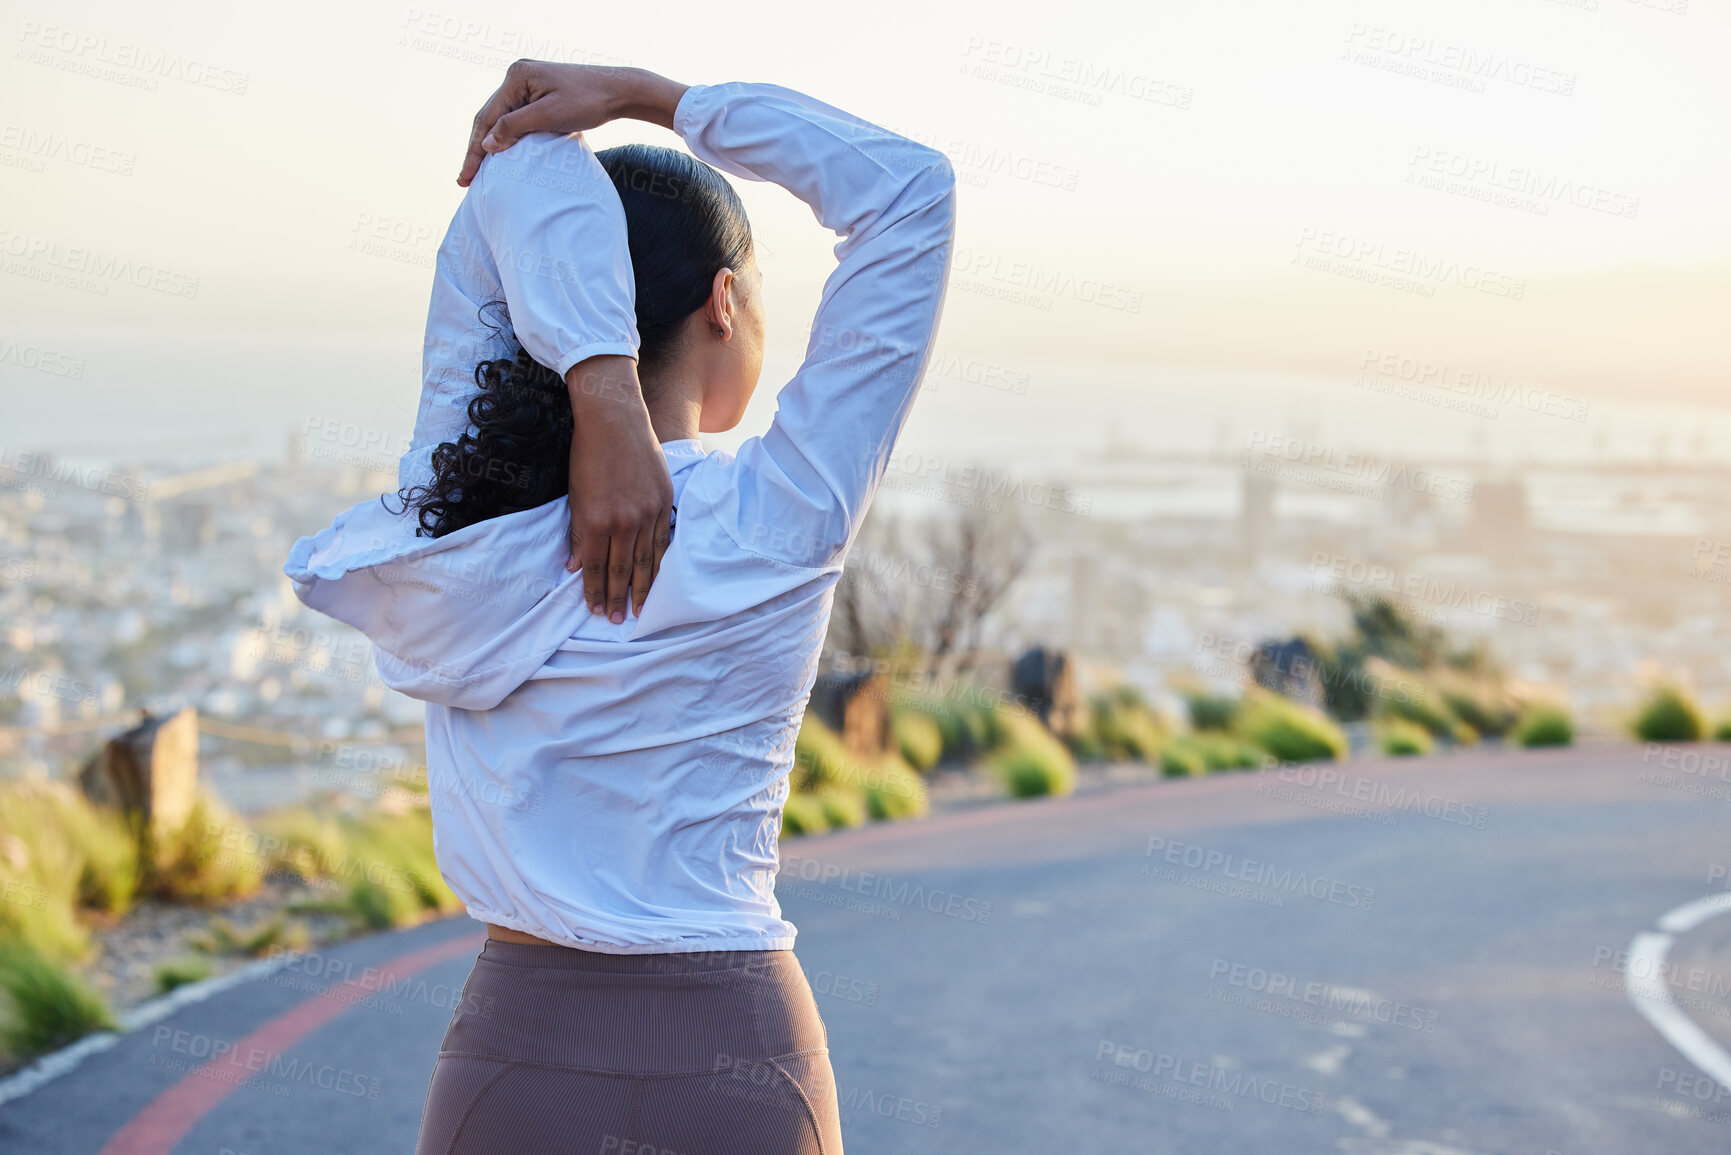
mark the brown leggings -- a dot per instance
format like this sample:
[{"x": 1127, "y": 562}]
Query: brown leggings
[{"x": 560, "y": 1050}]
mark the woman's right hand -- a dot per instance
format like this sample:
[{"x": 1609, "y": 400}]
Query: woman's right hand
[{"x": 540, "y": 96}]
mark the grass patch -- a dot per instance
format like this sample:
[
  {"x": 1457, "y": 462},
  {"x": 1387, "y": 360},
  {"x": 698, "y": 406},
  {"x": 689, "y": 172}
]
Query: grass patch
[
  {"x": 43, "y": 1006},
  {"x": 1288, "y": 731},
  {"x": 180, "y": 972}
]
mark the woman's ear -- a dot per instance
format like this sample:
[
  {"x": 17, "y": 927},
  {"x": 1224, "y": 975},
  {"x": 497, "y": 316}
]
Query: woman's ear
[{"x": 720, "y": 308}]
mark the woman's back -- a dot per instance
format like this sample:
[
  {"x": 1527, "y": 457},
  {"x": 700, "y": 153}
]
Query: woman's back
[{"x": 619, "y": 787}]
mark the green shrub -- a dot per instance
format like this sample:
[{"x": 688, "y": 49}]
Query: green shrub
[
  {"x": 1398, "y": 737},
  {"x": 1288, "y": 731},
  {"x": 1180, "y": 759},
  {"x": 843, "y": 805},
  {"x": 919, "y": 738},
  {"x": 1669, "y": 715},
  {"x": 43, "y": 1006},
  {"x": 1722, "y": 730},
  {"x": 1428, "y": 709},
  {"x": 1483, "y": 705},
  {"x": 193, "y": 864},
  {"x": 41, "y": 872},
  {"x": 1032, "y": 761},
  {"x": 379, "y": 906},
  {"x": 180, "y": 972},
  {"x": 1224, "y": 752},
  {"x": 818, "y": 755},
  {"x": 1545, "y": 724},
  {"x": 893, "y": 790},
  {"x": 1213, "y": 711},
  {"x": 1125, "y": 727},
  {"x": 803, "y": 814}
]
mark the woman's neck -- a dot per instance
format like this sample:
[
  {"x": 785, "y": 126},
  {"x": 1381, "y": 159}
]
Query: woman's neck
[{"x": 675, "y": 407}]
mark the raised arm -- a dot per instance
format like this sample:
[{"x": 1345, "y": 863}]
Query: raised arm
[{"x": 807, "y": 483}]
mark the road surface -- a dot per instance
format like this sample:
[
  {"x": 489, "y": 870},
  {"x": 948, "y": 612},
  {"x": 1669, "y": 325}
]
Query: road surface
[{"x": 1416, "y": 958}]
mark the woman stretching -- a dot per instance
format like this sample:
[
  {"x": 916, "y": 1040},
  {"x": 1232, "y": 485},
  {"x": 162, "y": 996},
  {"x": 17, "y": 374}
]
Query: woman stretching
[{"x": 607, "y": 789}]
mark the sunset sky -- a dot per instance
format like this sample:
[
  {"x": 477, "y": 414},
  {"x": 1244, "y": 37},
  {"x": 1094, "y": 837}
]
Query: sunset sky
[{"x": 1211, "y": 188}]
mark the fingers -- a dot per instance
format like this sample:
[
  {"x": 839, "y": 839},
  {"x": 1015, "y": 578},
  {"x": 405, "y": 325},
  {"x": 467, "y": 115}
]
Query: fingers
[
  {"x": 663, "y": 538},
  {"x": 594, "y": 549},
  {"x": 619, "y": 562},
  {"x": 643, "y": 561},
  {"x": 512, "y": 94}
]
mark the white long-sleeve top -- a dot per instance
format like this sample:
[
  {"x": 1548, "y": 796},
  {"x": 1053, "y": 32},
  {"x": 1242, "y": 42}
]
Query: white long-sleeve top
[{"x": 619, "y": 787}]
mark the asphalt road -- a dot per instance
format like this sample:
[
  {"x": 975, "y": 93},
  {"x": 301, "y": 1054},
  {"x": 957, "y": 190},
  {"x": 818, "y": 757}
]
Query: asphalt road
[{"x": 1416, "y": 959}]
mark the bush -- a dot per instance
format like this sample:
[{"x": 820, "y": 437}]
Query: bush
[
  {"x": 1722, "y": 730},
  {"x": 44, "y": 1006},
  {"x": 1182, "y": 760},
  {"x": 179, "y": 973},
  {"x": 919, "y": 738},
  {"x": 1399, "y": 738},
  {"x": 893, "y": 790},
  {"x": 1288, "y": 731},
  {"x": 1669, "y": 715},
  {"x": 193, "y": 865},
  {"x": 1427, "y": 709},
  {"x": 1213, "y": 711},
  {"x": 41, "y": 870},
  {"x": 1224, "y": 752},
  {"x": 224, "y": 938},
  {"x": 1545, "y": 724},
  {"x": 803, "y": 814},
  {"x": 1484, "y": 706},
  {"x": 1032, "y": 761},
  {"x": 818, "y": 756},
  {"x": 1125, "y": 727},
  {"x": 843, "y": 805}
]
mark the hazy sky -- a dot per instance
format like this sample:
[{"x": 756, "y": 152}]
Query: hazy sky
[{"x": 1216, "y": 187}]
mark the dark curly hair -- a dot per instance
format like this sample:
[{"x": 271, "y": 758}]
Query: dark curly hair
[{"x": 684, "y": 223}]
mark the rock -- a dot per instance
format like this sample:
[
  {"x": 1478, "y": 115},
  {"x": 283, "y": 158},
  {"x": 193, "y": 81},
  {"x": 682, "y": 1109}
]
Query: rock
[
  {"x": 150, "y": 772},
  {"x": 1046, "y": 680}
]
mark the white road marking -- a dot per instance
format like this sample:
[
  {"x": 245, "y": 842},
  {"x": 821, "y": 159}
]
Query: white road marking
[{"x": 1644, "y": 983}]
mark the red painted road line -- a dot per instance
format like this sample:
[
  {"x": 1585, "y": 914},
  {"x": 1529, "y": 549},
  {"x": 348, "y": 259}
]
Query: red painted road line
[{"x": 167, "y": 1118}]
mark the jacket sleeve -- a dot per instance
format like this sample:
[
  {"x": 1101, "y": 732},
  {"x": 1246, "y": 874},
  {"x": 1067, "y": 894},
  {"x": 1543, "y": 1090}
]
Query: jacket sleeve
[
  {"x": 541, "y": 230},
  {"x": 801, "y": 490}
]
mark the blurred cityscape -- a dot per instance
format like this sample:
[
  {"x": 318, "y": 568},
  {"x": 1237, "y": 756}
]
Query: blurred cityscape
[{"x": 139, "y": 587}]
